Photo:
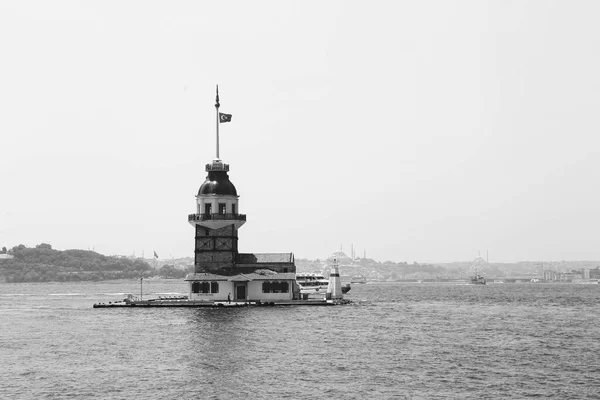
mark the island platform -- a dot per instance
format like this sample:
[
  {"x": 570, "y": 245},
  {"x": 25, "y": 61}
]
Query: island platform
[{"x": 214, "y": 304}]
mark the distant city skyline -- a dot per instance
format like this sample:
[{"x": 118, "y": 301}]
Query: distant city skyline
[{"x": 416, "y": 131}]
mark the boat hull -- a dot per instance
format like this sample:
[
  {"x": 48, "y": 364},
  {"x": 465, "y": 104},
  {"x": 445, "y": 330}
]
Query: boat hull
[{"x": 321, "y": 289}]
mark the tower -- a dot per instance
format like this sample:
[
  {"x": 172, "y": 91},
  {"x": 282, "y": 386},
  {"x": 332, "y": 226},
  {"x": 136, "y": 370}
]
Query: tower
[
  {"x": 216, "y": 222},
  {"x": 217, "y": 219}
]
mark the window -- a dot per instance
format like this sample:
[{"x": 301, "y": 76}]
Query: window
[
  {"x": 207, "y": 208},
  {"x": 233, "y": 208},
  {"x": 275, "y": 287},
  {"x": 267, "y": 287},
  {"x": 205, "y": 287},
  {"x": 222, "y": 208}
]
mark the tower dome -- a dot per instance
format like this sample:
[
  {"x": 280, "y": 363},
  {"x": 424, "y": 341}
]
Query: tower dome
[{"x": 217, "y": 182}]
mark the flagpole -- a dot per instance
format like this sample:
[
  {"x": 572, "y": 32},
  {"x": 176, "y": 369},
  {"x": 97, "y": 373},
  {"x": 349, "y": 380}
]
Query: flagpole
[{"x": 217, "y": 108}]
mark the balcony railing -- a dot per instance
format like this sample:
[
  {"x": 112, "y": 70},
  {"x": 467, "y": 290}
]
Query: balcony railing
[
  {"x": 217, "y": 167},
  {"x": 217, "y": 217}
]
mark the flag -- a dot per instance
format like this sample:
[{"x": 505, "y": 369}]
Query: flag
[
  {"x": 224, "y": 117},
  {"x": 155, "y": 255}
]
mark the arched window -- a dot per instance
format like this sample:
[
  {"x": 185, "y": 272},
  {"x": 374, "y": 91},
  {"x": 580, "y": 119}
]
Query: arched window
[{"x": 214, "y": 287}]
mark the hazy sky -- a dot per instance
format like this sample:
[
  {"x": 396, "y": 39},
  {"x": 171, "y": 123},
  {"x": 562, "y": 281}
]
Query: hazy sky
[{"x": 416, "y": 130}]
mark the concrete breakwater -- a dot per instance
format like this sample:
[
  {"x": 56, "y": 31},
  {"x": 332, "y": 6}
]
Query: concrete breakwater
[{"x": 195, "y": 303}]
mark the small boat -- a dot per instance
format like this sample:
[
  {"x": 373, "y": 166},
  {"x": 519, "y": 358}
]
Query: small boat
[
  {"x": 315, "y": 283},
  {"x": 477, "y": 280},
  {"x": 358, "y": 279}
]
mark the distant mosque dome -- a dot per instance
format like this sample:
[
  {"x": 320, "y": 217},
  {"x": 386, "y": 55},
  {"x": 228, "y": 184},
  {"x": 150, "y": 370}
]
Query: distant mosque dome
[
  {"x": 217, "y": 182},
  {"x": 340, "y": 256}
]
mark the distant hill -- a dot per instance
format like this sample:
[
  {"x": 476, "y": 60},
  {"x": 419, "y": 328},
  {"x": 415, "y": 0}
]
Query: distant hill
[{"x": 44, "y": 264}]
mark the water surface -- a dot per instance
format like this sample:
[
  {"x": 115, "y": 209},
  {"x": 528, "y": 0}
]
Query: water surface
[{"x": 396, "y": 341}]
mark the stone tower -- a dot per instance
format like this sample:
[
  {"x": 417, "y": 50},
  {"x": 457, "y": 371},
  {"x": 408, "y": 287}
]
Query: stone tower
[{"x": 216, "y": 222}]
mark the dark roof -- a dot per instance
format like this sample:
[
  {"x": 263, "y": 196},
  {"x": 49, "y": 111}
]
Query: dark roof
[
  {"x": 261, "y": 276},
  {"x": 286, "y": 276},
  {"x": 217, "y": 182},
  {"x": 265, "y": 258},
  {"x": 205, "y": 276}
]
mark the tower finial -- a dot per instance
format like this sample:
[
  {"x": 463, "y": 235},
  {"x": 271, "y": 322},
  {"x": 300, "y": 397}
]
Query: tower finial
[{"x": 221, "y": 118}]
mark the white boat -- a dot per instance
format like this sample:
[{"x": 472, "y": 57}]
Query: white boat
[{"x": 315, "y": 283}]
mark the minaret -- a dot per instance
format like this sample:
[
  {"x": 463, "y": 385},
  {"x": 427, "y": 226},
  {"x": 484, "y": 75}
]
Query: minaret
[{"x": 217, "y": 217}]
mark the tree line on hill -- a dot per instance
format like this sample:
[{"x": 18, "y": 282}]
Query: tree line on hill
[
  {"x": 45, "y": 264},
  {"x": 379, "y": 270}
]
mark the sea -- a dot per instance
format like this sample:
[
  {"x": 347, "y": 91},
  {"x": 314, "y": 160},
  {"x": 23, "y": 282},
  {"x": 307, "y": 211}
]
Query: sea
[{"x": 395, "y": 341}]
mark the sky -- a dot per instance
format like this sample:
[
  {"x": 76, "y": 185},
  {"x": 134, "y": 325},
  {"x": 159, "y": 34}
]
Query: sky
[{"x": 428, "y": 131}]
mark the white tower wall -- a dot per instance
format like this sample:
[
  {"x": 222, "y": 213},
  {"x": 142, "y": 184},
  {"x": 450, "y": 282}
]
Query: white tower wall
[{"x": 334, "y": 289}]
